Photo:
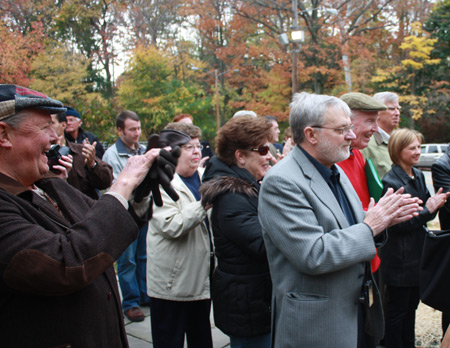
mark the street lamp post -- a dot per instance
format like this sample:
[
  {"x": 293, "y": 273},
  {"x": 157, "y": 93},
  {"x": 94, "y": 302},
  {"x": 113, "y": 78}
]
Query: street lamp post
[{"x": 297, "y": 37}]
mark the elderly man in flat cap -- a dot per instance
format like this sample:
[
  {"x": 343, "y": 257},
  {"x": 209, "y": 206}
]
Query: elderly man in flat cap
[
  {"x": 364, "y": 115},
  {"x": 57, "y": 246}
]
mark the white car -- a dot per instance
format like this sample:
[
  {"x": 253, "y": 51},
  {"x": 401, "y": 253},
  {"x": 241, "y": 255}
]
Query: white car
[{"x": 430, "y": 153}]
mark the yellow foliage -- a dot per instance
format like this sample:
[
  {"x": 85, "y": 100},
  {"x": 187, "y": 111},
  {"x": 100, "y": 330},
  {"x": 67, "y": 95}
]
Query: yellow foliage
[
  {"x": 409, "y": 63},
  {"x": 418, "y": 48}
]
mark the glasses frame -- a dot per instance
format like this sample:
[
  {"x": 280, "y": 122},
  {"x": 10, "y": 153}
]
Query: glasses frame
[
  {"x": 341, "y": 130},
  {"x": 190, "y": 147},
  {"x": 263, "y": 150}
]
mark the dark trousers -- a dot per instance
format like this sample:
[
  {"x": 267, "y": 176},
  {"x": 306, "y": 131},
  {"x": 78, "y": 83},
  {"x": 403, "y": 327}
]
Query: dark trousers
[
  {"x": 400, "y": 316},
  {"x": 172, "y": 320}
]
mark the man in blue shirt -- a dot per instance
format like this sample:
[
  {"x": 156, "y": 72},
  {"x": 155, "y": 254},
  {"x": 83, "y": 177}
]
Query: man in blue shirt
[{"x": 131, "y": 266}]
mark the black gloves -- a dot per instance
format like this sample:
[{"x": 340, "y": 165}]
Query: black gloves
[
  {"x": 163, "y": 169},
  {"x": 161, "y": 172}
]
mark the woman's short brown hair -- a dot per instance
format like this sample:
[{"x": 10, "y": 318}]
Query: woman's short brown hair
[
  {"x": 241, "y": 133},
  {"x": 399, "y": 140}
]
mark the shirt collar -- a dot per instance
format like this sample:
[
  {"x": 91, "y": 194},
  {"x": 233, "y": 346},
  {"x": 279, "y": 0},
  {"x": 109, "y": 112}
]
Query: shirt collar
[
  {"x": 125, "y": 149},
  {"x": 326, "y": 172},
  {"x": 383, "y": 134}
]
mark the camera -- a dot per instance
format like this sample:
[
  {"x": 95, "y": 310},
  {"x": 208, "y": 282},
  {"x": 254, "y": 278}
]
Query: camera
[{"x": 54, "y": 154}]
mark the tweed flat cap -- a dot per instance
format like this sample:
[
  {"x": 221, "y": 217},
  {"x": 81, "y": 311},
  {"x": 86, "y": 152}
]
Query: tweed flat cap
[
  {"x": 16, "y": 98},
  {"x": 363, "y": 102}
]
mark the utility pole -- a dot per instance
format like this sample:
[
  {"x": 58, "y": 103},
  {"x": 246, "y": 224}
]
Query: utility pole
[
  {"x": 216, "y": 77},
  {"x": 296, "y": 48}
]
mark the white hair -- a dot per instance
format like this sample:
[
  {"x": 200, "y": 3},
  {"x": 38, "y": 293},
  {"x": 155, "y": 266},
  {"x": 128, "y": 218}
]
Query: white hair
[
  {"x": 386, "y": 97},
  {"x": 245, "y": 113}
]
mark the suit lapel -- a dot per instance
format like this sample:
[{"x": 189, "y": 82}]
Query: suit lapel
[{"x": 320, "y": 187}]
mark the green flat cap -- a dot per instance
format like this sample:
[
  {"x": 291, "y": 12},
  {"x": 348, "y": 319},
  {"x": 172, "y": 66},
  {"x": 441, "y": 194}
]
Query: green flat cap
[{"x": 363, "y": 102}]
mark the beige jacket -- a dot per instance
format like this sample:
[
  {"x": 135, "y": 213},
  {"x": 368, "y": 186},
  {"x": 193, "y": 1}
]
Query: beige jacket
[{"x": 178, "y": 248}]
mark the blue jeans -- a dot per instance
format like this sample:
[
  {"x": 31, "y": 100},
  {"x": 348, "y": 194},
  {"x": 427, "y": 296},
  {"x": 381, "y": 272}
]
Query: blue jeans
[
  {"x": 131, "y": 270},
  {"x": 262, "y": 341}
]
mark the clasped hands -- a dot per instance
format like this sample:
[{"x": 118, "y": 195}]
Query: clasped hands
[{"x": 391, "y": 209}]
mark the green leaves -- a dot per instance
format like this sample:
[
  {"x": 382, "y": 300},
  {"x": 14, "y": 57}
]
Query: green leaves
[{"x": 149, "y": 88}]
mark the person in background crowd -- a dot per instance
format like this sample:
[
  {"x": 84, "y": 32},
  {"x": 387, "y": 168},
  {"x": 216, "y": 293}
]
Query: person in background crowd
[
  {"x": 388, "y": 120},
  {"x": 58, "y": 287},
  {"x": 179, "y": 250},
  {"x": 274, "y": 147},
  {"x": 75, "y": 134},
  {"x": 241, "y": 288},
  {"x": 317, "y": 236},
  {"x": 207, "y": 151},
  {"x": 89, "y": 173},
  {"x": 440, "y": 171},
  {"x": 131, "y": 265},
  {"x": 288, "y": 143},
  {"x": 400, "y": 257}
]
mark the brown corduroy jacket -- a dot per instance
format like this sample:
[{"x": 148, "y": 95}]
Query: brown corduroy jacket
[{"x": 57, "y": 284}]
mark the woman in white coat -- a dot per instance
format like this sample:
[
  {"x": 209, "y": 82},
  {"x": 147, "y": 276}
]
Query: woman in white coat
[{"x": 178, "y": 254}]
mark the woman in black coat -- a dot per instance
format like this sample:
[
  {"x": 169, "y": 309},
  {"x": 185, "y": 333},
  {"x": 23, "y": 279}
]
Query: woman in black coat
[
  {"x": 400, "y": 257},
  {"x": 241, "y": 284}
]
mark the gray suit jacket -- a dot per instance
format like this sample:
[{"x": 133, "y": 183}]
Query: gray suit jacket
[{"x": 316, "y": 259}]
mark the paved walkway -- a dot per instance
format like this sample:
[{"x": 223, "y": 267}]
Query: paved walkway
[{"x": 140, "y": 334}]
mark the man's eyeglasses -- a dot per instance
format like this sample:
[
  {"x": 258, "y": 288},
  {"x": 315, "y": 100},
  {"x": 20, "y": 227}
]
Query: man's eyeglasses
[
  {"x": 341, "y": 131},
  {"x": 191, "y": 148},
  {"x": 262, "y": 150},
  {"x": 393, "y": 108}
]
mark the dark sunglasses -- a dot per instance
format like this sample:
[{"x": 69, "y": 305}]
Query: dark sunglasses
[{"x": 262, "y": 150}]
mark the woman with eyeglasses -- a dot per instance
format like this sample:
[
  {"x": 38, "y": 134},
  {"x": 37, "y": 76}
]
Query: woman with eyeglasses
[
  {"x": 179, "y": 252},
  {"x": 241, "y": 288},
  {"x": 400, "y": 256}
]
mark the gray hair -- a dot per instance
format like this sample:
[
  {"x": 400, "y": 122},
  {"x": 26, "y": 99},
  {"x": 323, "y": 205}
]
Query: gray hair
[
  {"x": 16, "y": 120},
  {"x": 309, "y": 110},
  {"x": 386, "y": 97}
]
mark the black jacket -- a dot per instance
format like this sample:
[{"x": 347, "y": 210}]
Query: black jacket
[
  {"x": 400, "y": 256},
  {"x": 440, "y": 172},
  {"x": 241, "y": 289}
]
